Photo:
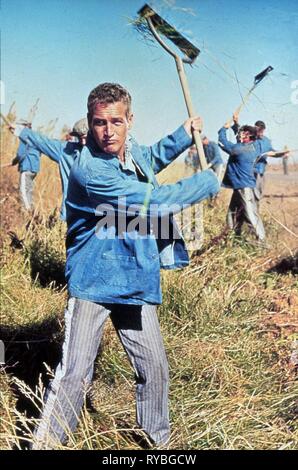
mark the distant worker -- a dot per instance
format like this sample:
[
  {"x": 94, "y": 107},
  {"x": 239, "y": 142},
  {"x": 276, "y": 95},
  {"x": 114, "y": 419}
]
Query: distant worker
[
  {"x": 62, "y": 152},
  {"x": 266, "y": 151},
  {"x": 285, "y": 164},
  {"x": 28, "y": 161},
  {"x": 213, "y": 156},
  {"x": 192, "y": 159},
  {"x": 239, "y": 176}
]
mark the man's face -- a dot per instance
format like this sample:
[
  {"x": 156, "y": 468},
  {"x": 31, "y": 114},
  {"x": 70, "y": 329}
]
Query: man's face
[
  {"x": 245, "y": 137},
  {"x": 109, "y": 125},
  {"x": 260, "y": 132}
]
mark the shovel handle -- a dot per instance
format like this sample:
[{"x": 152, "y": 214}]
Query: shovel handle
[
  {"x": 186, "y": 92},
  {"x": 191, "y": 112},
  {"x": 241, "y": 106}
]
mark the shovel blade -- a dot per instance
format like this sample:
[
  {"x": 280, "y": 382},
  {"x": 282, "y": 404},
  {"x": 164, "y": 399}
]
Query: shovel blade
[
  {"x": 263, "y": 74},
  {"x": 164, "y": 28}
]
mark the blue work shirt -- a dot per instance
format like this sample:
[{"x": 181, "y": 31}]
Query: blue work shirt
[
  {"x": 62, "y": 152},
  {"x": 212, "y": 153},
  {"x": 28, "y": 158},
  {"x": 266, "y": 146},
  {"x": 117, "y": 262},
  {"x": 239, "y": 173}
]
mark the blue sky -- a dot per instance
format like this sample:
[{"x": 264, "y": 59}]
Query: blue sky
[{"x": 58, "y": 50}]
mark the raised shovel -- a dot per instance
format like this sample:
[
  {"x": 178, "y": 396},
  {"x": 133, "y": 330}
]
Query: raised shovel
[
  {"x": 257, "y": 79},
  {"x": 157, "y": 25}
]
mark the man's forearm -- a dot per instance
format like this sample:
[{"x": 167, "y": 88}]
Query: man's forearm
[{"x": 223, "y": 141}]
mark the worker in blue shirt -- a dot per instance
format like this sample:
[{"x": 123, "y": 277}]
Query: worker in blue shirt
[
  {"x": 240, "y": 177},
  {"x": 266, "y": 151},
  {"x": 115, "y": 250},
  {"x": 62, "y": 152},
  {"x": 213, "y": 156},
  {"x": 192, "y": 159},
  {"x": 28, "y": 161},
  {"x": 261, "y": 162}
]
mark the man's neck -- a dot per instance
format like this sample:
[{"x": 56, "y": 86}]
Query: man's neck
[{"x": 122, "y": 157}]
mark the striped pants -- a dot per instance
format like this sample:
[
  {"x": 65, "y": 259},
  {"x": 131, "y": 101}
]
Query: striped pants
[
  {"x": 26, "y": 188},
  {"x": 138, "y": 329}
]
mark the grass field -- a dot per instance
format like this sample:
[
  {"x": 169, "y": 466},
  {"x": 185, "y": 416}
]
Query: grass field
[{"x": 229, "y": 323}]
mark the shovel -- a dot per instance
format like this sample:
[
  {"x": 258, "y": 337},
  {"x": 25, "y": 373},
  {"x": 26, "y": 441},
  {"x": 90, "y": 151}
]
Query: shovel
[
  {"x": 158, "y": 25},
  {"x": 258, "y": 78}
]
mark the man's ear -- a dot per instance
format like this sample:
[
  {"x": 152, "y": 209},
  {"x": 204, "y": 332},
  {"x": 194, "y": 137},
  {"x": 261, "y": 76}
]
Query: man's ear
[{"x": 130, "y": 121}]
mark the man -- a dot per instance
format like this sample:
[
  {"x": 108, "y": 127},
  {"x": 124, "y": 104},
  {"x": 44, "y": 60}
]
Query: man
[
  {"x": 62, "y": 152},
  {"x": 113, "y": 263},
  {"x": 266, "y": 151},
  {"x": 285, "y": 164},
  {"x": 28, "y": 160},
  {"x": 240, "y": 177},
  {"x": 192, "y": 159},
  {"x": 213, "y": 156}
]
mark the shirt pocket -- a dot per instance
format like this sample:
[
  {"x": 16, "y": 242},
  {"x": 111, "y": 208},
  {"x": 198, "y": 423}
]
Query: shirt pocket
[{"x": 117, "y": 269}]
